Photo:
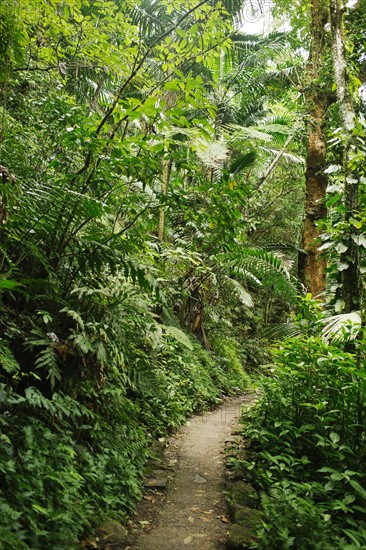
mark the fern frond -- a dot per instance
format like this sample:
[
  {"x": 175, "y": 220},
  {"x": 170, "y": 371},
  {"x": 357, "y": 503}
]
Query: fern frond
[
  {"x": 264, "y": 267},
  {"x": 74, "y": 314},
  {"x": 47, "y": 360},
  {"x": 7, "y": 359}
]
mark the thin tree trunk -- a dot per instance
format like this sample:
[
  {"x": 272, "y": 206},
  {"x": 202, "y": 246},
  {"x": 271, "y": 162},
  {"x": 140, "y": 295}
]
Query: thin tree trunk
[
  {"x": 312, "y": 266},
  {"x": 167, "y": 168}
]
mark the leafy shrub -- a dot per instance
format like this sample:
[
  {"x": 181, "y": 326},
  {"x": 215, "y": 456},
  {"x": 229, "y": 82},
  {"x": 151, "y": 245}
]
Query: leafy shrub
[
  {"x": 59, "y": 475},
  {"x": 75, "y": 432},
  {"x": 308, "y": 443},
  {"x": 231, "y": 357},
  {"x": 182, "y": 381}
]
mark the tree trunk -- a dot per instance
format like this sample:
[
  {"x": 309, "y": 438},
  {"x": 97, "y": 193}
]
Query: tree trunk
[
  {"x": 350, "y": 277},
  {"x": 167, "y": 169},
  {"x": 312, "y": 266}
]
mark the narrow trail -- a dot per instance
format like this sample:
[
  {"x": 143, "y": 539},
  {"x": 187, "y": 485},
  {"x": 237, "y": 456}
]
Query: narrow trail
[{"x": 193, "y": 513}]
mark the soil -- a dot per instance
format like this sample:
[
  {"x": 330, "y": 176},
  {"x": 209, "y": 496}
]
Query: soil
[{"x": 191, "y": 512}]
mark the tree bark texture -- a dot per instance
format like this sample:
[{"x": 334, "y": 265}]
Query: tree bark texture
[{"x": 312, "y": 266}]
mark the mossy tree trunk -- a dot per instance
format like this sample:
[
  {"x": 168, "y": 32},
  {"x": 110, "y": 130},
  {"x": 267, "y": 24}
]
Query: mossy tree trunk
[{"x": 312, "y": 266}]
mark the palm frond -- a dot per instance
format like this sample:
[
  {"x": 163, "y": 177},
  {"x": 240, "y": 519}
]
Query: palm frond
[
  {"x": 337, "y": 328},
  {"x": 237, "y": 132},
  {"x": 240, "y": 292},
  {"x": 342, "y": 327},
  {"x": 282, "y": 331},
  {"x": 295, "y": 159},
  {"x": 265, "y": 268},
  {"x": 242, "y": 161}
]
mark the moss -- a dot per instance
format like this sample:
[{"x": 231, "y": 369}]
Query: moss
[
  {"x": 242, "y": 494},
  {"x": 240, "y": 536},
  {"x": 248, "y": 517}
]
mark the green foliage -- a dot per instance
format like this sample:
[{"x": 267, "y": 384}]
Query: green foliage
[
  {"x": 109, "y": 336},
  {"x": 63, "y": 464},
  {"x": 308, "y": 442},
  {"x": 232, "y": 357}
]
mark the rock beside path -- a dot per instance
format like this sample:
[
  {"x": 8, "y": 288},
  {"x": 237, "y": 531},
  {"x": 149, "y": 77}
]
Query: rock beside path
[{"x": 111, "y": 532}]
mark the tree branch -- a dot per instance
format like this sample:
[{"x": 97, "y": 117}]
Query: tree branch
[{"x": 275, "y": 161}]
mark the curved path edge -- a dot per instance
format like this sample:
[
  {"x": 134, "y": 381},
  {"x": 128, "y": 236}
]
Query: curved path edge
[{"x": 191, "y": 512}]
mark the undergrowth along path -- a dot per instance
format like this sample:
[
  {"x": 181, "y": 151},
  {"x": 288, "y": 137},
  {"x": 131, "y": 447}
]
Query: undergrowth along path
[{"x": 193, "y": 513}]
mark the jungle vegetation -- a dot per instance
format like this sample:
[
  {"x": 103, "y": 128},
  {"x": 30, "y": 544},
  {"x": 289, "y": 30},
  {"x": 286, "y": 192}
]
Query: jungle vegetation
[{"x": 175, "y": 195}]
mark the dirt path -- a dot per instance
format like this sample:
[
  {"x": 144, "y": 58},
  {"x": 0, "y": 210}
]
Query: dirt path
[{"x": 193, "y": 512}]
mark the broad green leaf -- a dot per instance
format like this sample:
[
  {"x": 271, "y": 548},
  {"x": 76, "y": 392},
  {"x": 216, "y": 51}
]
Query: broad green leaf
[
  {"x": 178, "y": 335},
  {"x": 358, "y": 488},
  {"x": 7, "y": 284},
  {"x": 334, "y": 437}
]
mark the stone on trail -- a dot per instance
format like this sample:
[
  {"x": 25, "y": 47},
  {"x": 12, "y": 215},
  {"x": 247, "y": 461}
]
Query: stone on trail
[
  {"x": 199, "y": 479},
  {"x": 158, "y": 479},
  {"x": 112, "y": 531}
]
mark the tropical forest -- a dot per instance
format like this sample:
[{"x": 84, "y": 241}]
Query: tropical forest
[{"x": 182, "y": 226}]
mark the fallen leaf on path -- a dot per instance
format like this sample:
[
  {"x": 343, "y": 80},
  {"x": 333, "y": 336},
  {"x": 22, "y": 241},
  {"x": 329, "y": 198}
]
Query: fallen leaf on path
[
  {"x": 208, "y": 512},
  {"x": 190, "y": 519},
  {"x": 150, "y": 499},
  {"x": 206, "y": 520},
  {"x": 225, "y": 519},
  {"x": 188, "y": 540},
  {"x": 195, "y": 508}
]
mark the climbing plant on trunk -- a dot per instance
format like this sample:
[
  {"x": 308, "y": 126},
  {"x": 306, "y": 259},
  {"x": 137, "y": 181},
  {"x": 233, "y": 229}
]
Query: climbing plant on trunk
[{"x": 350, "y": 276}]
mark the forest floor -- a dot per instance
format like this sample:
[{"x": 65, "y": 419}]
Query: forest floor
[{"x": 191, "y": 511}]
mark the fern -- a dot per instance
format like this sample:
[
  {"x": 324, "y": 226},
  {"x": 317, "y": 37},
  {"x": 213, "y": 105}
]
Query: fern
[
  {"x": 264, "y": 268},
  {"x": 47, "y": 360},
  {"x": 82, "y": 343},
  {"x": 7, "y": 359},
  {"x": 36, "y": 399},
  {"x": 74, "y": 315}
]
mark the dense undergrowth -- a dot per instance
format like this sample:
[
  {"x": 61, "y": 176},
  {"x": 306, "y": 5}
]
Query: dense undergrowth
[
  {"x": 82, "y": 394},
  {"x": 143, "y": 241},
  {"x": 307, "y": 441}
]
